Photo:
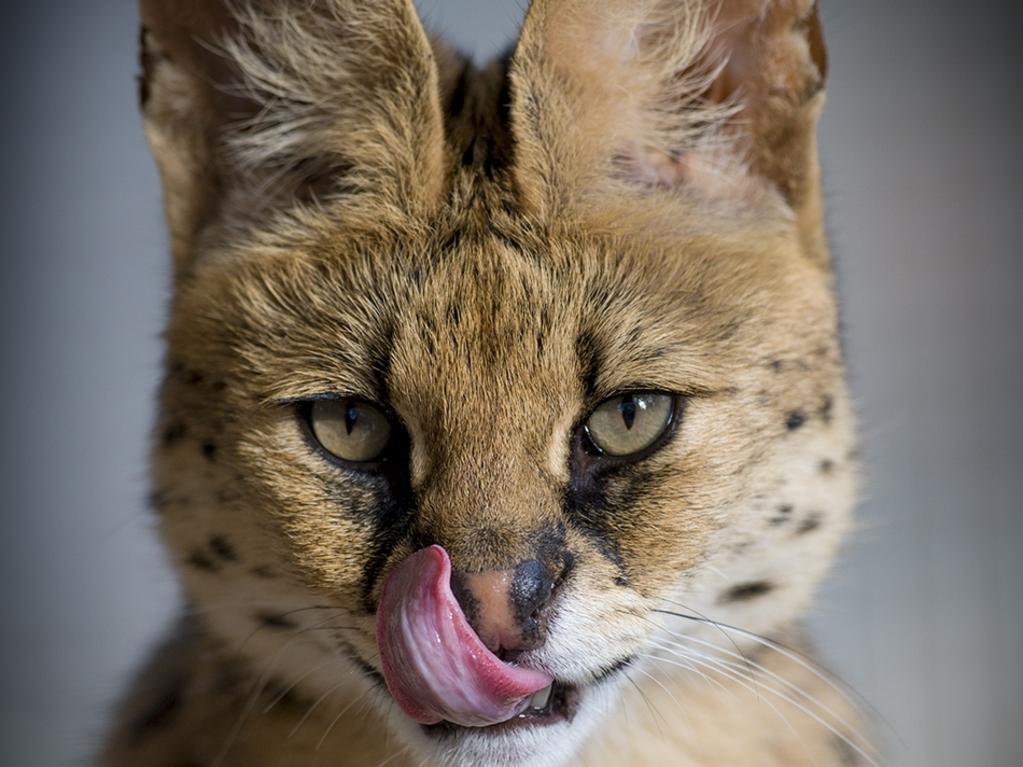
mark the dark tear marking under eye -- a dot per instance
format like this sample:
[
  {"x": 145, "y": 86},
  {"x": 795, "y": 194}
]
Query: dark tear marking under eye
[
  {"x": 810, "y": 523},
  {"x": 744, "y": 592},
  {"x": 223, "y": 548},
  {"x": 795, "y": 419},
  {"x": 603, "y": 517},
  {"x": 395, "y": 510}
]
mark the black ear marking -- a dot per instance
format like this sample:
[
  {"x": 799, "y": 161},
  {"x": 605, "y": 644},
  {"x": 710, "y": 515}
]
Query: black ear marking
[{"x": 744, "y": 592}]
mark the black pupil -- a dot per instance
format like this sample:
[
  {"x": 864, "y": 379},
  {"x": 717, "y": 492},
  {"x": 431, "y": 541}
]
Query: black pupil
[
  {"x": 627, "y": 407},
  {"x": 351, "y": 416}
]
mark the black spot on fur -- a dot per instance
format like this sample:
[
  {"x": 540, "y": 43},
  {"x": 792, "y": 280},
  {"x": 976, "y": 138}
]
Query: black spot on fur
[
  {"x": 825, "y": 411},
  {"x": 810, "y": 523},
  {"x": 795, "y": 419},
  {"x": 161, "y": 713},
  {"x": 219, "y": 386},
  {"x": 275, "y": 621},
  {"x": 784, "y": 514},
  {"x": 209, "y": 451},
  {"x": 223, "y": 548},
  {"x": 827, "y": 466},
  {"x": 173, "y": 434},
  {"x": 776, "y": 365},
  {"x": 195, "y": 378},
  {"x": 744, "y": 592},
  {"x": 200, "y": 561},
  {"x": 264, "y": 572}
]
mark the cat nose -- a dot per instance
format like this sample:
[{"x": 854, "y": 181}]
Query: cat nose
[{"x": 508, "y": 608}]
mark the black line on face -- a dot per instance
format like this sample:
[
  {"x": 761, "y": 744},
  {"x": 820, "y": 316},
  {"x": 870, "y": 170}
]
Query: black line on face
[
  {"x": 614, "y": 668},
  {"x": 744, "y": 592},
  {"x": 591, "y": 510},
  {"x": 395, "y": 512},
  {"x": 588, "y": 353}
]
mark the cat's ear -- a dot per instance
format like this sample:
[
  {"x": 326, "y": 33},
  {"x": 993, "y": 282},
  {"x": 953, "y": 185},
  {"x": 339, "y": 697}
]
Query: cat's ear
[
  {"x": 719, "y": 96},
  {"x": 252, "y": 103}
]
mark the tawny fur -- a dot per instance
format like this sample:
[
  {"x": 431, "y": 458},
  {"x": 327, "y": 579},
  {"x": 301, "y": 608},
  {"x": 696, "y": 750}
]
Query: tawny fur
[{"x": 629, "y": 201}]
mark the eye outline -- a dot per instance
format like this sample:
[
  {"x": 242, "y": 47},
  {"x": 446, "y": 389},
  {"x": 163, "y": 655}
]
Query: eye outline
[
  {"x": 304, "y": 410},
  {"x": 592, "y": 449}
]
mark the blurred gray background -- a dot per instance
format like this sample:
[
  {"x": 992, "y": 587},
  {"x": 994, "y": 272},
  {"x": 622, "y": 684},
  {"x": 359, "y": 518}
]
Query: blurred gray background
[{"x": 925, "y": 180}]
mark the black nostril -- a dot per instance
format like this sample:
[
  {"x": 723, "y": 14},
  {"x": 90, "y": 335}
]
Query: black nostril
[{"x": 530, "y": 589}]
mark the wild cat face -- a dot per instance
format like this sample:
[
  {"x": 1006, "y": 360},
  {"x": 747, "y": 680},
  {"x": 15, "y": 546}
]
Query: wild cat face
[{"x": 546, "y": 351}]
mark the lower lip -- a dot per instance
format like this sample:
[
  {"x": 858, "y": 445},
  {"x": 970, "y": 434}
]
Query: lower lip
[{"x": 562, "y": 706}]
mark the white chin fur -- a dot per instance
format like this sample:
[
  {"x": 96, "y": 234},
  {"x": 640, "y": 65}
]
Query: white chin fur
[{"x": 551, "y": 745}]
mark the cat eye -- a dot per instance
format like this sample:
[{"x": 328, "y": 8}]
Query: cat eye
[
  {"x": 349, "y": 429},
  {"x": 630, "y": 423}
]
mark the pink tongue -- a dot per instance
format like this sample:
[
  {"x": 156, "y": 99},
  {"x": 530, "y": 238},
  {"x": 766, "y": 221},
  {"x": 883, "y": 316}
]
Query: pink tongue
[{"x": 435, "y": 665}]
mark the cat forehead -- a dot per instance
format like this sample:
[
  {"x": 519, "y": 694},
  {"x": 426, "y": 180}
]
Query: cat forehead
[{"x": 514, "y": 305}]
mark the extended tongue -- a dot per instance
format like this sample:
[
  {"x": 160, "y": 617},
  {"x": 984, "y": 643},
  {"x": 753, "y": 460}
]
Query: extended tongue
[{"x": 435, "y": 665}]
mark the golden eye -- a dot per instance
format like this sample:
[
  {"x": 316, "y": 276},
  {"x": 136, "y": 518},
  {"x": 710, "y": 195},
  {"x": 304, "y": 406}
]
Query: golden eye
[
  {"x": 349, "y": 429},
  {"x": 630, "y": 423}
]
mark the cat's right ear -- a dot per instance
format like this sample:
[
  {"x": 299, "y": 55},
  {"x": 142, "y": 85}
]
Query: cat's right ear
[{"x": 256, "y": 104}]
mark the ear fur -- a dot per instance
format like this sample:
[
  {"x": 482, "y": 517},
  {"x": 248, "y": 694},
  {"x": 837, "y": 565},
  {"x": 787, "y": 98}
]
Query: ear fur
[
  {"x": 717, "y": 98},
  {"x": 253, "y": 104}
]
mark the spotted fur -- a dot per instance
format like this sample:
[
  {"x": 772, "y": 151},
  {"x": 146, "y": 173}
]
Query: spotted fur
[{"x": 629, "y": 200}]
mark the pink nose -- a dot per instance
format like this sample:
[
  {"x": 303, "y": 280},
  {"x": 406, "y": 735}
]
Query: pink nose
[{"x": 507, "y": 607}]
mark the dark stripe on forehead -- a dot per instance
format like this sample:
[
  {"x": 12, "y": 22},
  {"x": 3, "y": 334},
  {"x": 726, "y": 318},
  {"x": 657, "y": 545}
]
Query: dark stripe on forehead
[{"x": 588, "y": 353}]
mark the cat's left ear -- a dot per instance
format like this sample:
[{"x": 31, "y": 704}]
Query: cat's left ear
[{"x": 717, "y": 97}]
